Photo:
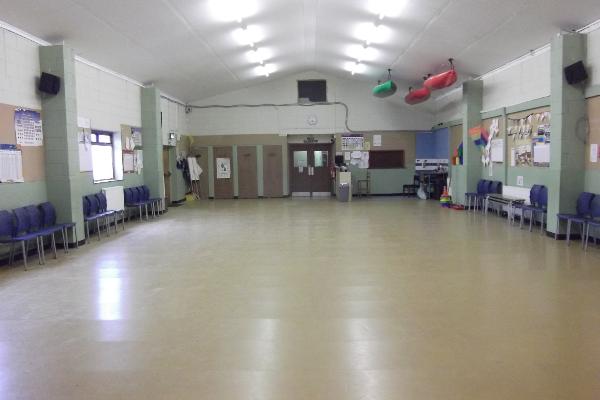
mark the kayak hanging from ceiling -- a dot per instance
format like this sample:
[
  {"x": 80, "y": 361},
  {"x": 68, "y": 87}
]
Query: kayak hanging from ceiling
[
  {"x": 416, "y": 96},
  {"x": 443, "y": 80}
]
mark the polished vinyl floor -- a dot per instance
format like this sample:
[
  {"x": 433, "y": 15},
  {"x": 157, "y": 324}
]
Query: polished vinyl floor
[{"x": 306, "y": 299}]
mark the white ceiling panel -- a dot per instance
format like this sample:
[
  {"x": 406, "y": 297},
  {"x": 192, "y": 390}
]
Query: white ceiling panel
[{"x": 189, "y": 50}]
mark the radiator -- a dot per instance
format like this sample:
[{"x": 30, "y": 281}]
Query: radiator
[{"x": 115, "y": 199}]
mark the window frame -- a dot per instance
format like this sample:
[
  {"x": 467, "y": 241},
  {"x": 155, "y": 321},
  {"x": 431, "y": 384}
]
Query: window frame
[{"x": 95, "y": 136}]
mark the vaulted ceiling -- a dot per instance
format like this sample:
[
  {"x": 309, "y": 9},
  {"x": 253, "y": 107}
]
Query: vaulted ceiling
[{"x": 190, "y": 50}]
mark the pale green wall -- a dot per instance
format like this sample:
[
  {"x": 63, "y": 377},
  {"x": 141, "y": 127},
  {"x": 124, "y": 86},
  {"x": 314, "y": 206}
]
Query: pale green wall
[
  {"x": 592, "y": 181},
  {"x": 12, "y": 195},
  {"x": 385, "y": 181}
]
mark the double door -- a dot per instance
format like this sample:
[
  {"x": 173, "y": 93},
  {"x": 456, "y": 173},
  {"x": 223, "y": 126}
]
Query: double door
[{"x": 310, "y": 173}]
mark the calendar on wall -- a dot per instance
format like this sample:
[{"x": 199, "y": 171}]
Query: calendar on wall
[
  {"x": 28, "y": 127},
  {"x": 353, "y": 142}
]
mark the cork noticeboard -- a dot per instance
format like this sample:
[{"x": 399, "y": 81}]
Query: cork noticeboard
[
  {"x": 34, "y": 159},
  {"x": 523, "y": 134},
  {"x": 593, "y": 109}
]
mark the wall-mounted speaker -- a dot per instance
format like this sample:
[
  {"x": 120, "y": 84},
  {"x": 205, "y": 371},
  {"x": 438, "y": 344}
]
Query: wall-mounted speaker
[
  {"x": 576, "y": 73},
  {"x": 49, "y": 83}
]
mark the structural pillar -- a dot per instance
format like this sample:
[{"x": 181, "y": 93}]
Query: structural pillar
[
  {"x": 467, "y": 175},
  {"x": 59, "y": 120},
  {"x": 152, "y": 143},
  {"x": 568, "y": 108}
]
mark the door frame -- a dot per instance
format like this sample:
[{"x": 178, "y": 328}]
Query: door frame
[{"x": 310, "y": 148}]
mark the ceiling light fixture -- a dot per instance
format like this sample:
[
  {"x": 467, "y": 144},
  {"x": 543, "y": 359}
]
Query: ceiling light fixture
[
  {"x": 247, "y": 35},
  {"x": 233, "y": 10},
  {"x": 265, "y": 70}
]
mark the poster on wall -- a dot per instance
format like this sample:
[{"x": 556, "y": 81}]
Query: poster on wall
[
  {"x": 136, "y": 136},
  {"x": 524, "y": 156},
  {"x": 377, "y": 141},
  {"x": 138, "y": 161},
  {"x": 28, "y": 127},
  {"x": 11, "y": 164},
  {"x": 128, "y": 161},
  {"x": 353, "y": 142},
  {"x": 223, "y": 168},
  {"x": 497, "y": 150}
]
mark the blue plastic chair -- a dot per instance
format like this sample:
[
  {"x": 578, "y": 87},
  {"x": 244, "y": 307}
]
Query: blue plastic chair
[
  {"x": 132, "y": 200},
  {"x": 594, "y": 221},
  {"x": 154, "y": 201},
  {"x": 49, "y": 221},
  {"x": 15, "y": 229},
  {"x": 102, "y": 209},
  {"x": 36, "y": 225},
  {"x": 581, "y": 217},
  {"x": 91, "y": 214},
  {"x": 481, "y": 197},
  {"x": 539, "y": 205},
  {"x": 534, "y": 194},
  {"x": 473, "y": 195}
]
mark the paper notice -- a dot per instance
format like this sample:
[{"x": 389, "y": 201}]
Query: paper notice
[{"x": 594, "y": 152}]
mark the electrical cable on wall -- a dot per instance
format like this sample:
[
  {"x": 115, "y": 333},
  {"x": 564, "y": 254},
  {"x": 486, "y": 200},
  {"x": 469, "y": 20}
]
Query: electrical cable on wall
[{"x": 326, "y": 103}]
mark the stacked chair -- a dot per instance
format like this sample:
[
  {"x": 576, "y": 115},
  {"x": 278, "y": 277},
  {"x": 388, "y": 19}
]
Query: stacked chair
[
  {"x": 32, "y": 222},
  {"x": 538, "y": 204},
  {"x": 594, "y": 221}
]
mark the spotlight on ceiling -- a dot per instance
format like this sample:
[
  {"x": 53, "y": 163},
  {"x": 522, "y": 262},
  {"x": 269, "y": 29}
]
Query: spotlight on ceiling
[
  {"x": 355, "y": 67},
  {"x": 233, "y": 10},
  {"x": 265, "y": 70},
  {"x": 258, "y": 55},
  {"x": 372, "y": 33},
  {"x": 362, "y": 52},
  {"x": 248, "y": 35},
  {"x": 386, "y": 8}
]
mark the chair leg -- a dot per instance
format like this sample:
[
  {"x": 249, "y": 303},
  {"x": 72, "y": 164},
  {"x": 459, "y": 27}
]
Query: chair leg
[
  {"x": 587, "y": 236},
  {"x": 568, "y": 232},
  {"x": 146, "y": 208},
  {"x": 98, "y": 227},
  {"x": 11, "y": 254},
  {"x": 542, "y": 225},
  {"x": 24, "y": 250},
  {"x": 76, "y": 238},
  {"x": 54, "y": 246},
  {"x": 557, "y": 229},
  {"x": 583, "y": 231},
  {"x": 41, "y": 256},
  {"x": 107, "y": 225},
  {"x": 87, "y": 231}
]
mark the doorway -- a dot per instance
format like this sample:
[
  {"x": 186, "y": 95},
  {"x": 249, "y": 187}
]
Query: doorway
[
  {"x": 310, "y": 174},
  {"x": 247, "y": 172},
  {"x": 273, "y": 171}
]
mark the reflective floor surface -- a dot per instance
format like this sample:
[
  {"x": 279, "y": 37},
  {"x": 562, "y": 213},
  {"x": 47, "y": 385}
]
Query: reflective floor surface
[{"x": 300, "y": 299}]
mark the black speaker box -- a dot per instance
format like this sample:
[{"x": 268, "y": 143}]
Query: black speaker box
[
  {"x": 575, "y": 73},
  {"x": 49, "y": 83}
]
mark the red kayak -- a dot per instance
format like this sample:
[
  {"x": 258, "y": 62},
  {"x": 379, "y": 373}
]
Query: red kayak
[
  {"x": 417, "y": 96},
  {"x": 443, "y": 80}
]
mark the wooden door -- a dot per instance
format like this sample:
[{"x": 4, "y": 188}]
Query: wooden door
[
  {"x": 299, "y": 169},
  {"x": 167, "y": 175},
  {"x": 202, "y": 157},
  {"x": 247, "y": 172},
  {"x": 320, "y": 175},
  {"x": 223, "y": 179},
  {"x": 272, "y": 171}
]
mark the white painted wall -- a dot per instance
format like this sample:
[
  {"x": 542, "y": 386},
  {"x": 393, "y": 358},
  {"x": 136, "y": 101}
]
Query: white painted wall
[
  {"x": 593, "y": 57},
  {"x": 526, "y": 80},
  {"x": 448, "y": 107},
  {"x": 19, "y": 71},
  {"x": 107, "y": 100},
  {"x": 173, "y": 119},
  {"x": 367, "y": 113}
]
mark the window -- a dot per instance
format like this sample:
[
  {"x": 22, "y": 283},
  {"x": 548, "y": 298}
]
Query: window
[
  {"x": 103, "y": 164},
  {"x": 390, "y": 159},
  {"x": 314, "y": 91}
]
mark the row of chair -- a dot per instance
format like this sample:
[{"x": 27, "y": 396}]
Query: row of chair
[
  {"x": 538, "y": 205},
  {"x": 95, "y": 210},
  {"x": 484, "y": 187},
  {"x": 37, "y": 222},
  {"x": 587, "y": 216},
  {"x": 139, "y": 198}
]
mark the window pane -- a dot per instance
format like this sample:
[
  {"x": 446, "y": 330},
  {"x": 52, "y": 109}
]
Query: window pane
[
  {"x": 321, "y": 158},
  {"x": 94, "y": 138},
  {"x": 300, "y": 159},
  {"x": 102, "y": 162},
  {"x": 104, "y": 139}
]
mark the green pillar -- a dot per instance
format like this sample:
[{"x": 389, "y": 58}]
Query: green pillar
[
  {"x": 59, "y": 119},
  {"x": 152, "y": 143},
  {"x": 211, "y": 172},
  {"x": 260, "y": 170},
  {"x": 466, "y": 176},
  {"x": 568, "y": 108}
]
